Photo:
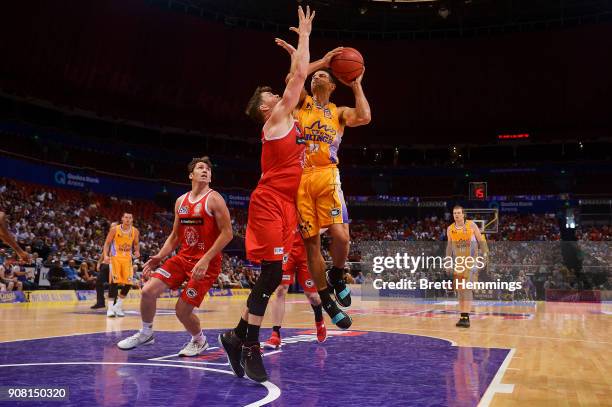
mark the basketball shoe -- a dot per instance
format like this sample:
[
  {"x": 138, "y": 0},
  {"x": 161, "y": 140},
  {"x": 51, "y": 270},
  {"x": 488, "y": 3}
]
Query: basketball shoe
[
  {"x": 136, "y": 340},
  {"x": 335, "y": 279},
  {"x": 252, "y": 363},
  {"x": 274, "y": 342},
  {"x": 233, "y": 349},
  {"x": 193, "y": 348}
]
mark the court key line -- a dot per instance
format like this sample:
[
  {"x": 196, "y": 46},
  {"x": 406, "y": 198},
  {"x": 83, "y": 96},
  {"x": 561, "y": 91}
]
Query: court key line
[
  {"x": 496, "y": 385},
  {"x": 273, "y": 390}
]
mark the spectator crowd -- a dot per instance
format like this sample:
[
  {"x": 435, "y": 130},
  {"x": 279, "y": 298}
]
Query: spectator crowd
[{"x": 64, "y": 232}]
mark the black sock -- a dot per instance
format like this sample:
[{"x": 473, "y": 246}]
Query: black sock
[
  {"x": 318, "y": 311},
  {"x": 113, "y": 290},
  {"x": 276, "y": 328},
  {"x": 336, "y": 274},
  {"x": 465, "y": 315},
  {"x": 241, "y": 329},
  {"x": 252, "y": 336},
  {"x": 325, "y": 297}
]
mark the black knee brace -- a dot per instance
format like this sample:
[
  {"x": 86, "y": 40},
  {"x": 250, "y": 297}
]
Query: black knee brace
[
  {"x": 125, "y": 289},
  {"x": 269, "y": 279}
]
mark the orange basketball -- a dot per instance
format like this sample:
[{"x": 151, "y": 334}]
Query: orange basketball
[{"x": 347, "y": 65}]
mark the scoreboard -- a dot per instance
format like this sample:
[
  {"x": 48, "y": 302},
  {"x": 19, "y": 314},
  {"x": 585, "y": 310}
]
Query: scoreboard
[{"x": 478, "y": 191}]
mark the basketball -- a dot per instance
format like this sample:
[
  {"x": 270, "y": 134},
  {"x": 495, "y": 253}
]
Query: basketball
[{"x": 347, "y": 65}]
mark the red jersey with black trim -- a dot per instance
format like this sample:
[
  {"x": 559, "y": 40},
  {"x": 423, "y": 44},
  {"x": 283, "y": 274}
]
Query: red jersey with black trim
[
  {"x": 197, "y": 229},
  {"x": 282, "y": 162}
]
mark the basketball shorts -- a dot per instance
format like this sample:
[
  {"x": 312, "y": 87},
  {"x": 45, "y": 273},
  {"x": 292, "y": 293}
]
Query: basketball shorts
[
  {"x": 320, "y": 200},
  {"x": 270, "y": 226},
  {"x": 465, "y": 274},
  {"x": 176, "y": 270},
  {"x": 121, "y": 270},
  {"x": 297, "y": 266}
]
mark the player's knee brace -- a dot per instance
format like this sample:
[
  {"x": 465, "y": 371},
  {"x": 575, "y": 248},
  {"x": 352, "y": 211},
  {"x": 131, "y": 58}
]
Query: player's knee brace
[
  {"x": 269, "y": 279},
  {"x": 125, "y": 289}
]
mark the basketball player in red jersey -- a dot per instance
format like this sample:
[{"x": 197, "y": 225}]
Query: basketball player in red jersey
[
  {"x": 296, "y": 268},
  {"x": 7, "y": 237},
  {"x": 272, "y": 214},
  {"x": 202, "y": 227}
]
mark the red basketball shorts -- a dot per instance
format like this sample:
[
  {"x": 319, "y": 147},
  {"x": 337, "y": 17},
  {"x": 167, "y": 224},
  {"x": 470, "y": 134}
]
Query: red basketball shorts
[
  {"x": 297, "y": 265},
  {"x": 176, "y": 270},
  {"x": 271, "y": 224}
]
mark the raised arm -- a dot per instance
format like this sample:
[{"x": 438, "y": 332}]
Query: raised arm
[
  {"x": 299, "y": 67},
  {"x": 322, "y": 63},
  {"x": 360, "y": 114}
]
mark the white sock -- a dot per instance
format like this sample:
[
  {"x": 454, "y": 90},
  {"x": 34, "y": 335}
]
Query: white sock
[
  {"x": 199, "y": 338},
  {"x": 119, "y": 302},
  {"x": 147, "y": 328}
]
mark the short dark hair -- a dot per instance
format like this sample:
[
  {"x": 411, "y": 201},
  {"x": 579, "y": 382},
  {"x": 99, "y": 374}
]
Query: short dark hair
[
  {"x": 252, "y": 109},
  {"x": 196, "y": 160}
]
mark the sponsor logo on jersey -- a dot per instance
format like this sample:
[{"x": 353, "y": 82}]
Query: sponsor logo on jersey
[
  {"x": 162, "y": 272},
  {"x": 192, "y": 221},
  {"x": 309, "y": 283},
  {"x": 183, "y": 210},
  {"x": 191, "y": 292},
  {"x": 334, "y": 212},
  {"x": 278, "y": 250},
  {"x": 285, "y": 258},
  {"x": 286, "y": 277}
]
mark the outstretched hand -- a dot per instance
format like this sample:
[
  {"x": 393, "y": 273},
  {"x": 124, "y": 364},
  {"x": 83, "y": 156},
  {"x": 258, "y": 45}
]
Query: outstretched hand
[
  {"x": 285, "y": 45},
  {"x": 305, "y": 21}
]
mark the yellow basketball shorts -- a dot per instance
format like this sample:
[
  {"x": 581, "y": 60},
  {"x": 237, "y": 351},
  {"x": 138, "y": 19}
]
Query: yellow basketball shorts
[
  {"x": 121, "y": 270},
  {"x": 320, "y": 200}
]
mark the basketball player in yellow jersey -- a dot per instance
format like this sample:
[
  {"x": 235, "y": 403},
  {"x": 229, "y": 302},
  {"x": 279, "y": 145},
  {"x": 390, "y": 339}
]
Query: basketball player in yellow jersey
[
  {"x": 123, "y": 238},
  {"x": 320, "y": 200},
  {"x": 465, "y": 244}
]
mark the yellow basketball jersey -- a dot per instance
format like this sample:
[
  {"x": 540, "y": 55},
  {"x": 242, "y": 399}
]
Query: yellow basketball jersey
[
  {"x": 463, "y": 240},
  {"x": 124, "y": 240},
  {"x": 321, "y": 128}
]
